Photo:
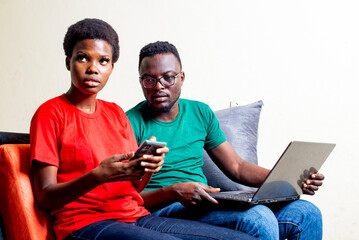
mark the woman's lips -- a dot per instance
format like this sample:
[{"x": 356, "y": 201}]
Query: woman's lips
[{"x": 91, "y": 82}]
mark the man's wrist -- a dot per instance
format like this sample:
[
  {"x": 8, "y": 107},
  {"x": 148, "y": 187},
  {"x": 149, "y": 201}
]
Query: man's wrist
[{"x": 171, "y": 192}]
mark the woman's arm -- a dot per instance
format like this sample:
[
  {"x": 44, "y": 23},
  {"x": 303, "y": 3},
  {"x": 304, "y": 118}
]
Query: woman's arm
[{"x": 52, "y": 195}]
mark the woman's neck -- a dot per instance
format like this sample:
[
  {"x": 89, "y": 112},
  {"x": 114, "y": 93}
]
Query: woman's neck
[{"x": 84, "y": 102}]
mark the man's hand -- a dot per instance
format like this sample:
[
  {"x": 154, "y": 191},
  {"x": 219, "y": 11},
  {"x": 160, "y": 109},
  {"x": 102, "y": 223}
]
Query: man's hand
[
  {"x": 193, "y": 193},
  {"x": 313, "y": 183}
]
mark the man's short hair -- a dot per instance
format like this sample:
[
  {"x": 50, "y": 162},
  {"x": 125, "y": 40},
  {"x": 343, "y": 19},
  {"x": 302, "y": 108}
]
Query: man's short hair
[
  {"x": 91, "y": 28},
  {"x": 158, "y": 47}
]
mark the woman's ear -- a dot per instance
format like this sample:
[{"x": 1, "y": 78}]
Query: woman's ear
[{"x": 67, "y": 61}]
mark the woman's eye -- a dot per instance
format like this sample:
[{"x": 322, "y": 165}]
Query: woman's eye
[
  {"x": 81, "y": 58},
  {"x": 104, "y": 61}
]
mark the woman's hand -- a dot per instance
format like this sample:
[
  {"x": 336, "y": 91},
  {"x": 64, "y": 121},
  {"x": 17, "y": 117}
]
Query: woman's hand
[{"x": 119, "y": 168}]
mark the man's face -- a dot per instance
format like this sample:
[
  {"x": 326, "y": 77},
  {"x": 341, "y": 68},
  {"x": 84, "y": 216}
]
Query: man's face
[{"x": 160, "y": 98}]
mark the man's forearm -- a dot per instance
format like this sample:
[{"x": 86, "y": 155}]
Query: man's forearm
[
  {"x": 159, "y": 198},
  {"x": 252, "y": 175}
]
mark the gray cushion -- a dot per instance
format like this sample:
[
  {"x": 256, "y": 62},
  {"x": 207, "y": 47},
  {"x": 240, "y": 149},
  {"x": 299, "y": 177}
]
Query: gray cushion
[{"x": 240, "y": 125}]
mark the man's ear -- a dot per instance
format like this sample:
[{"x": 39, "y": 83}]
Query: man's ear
[
  {"x": 67, "y": 61},
  {"x": 182, "y": 77}
]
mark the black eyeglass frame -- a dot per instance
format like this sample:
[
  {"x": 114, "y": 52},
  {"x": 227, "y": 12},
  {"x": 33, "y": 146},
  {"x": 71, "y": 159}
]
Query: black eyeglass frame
[{"x": 159, "y": 80}]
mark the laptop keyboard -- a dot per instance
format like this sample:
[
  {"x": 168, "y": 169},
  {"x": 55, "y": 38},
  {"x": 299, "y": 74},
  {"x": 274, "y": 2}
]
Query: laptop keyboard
[{"x": 234, "y": 195}]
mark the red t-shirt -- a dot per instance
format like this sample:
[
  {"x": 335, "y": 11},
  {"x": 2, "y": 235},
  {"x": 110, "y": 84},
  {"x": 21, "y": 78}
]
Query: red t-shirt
[{"x": 76, "y": 142}]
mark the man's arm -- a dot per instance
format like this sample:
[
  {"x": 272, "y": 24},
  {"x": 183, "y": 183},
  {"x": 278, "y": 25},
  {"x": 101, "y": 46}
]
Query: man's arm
[
  {"x": 250, "y": 174},
  {"x": 187, "y": 193},
  {"x": 192, "y": 193},
  {"x": 235, "y": 167}
]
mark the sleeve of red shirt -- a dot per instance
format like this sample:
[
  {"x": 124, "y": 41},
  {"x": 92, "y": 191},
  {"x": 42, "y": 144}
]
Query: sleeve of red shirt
[{"x": 44, "y": 132}]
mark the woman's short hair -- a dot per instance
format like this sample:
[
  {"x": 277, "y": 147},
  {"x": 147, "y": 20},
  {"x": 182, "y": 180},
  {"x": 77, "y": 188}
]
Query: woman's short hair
[{"x": 91, "y": 28}]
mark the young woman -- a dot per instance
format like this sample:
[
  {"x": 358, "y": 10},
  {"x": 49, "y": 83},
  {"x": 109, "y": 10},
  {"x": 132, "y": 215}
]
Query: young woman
[{"x": 80, "y": 151}]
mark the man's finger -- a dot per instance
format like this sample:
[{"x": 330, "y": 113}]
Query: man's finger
[
  {"x": 308, "y": 191},
  {"x": 314, "y": 182},
  {"x": 209, "y": 188},
  {"x": 205, "y": 195},
  {"x": 317, "y": 176}
]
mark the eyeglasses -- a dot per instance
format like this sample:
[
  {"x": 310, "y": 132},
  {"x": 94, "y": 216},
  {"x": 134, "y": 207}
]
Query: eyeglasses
[{"x": 150, "y": 82}]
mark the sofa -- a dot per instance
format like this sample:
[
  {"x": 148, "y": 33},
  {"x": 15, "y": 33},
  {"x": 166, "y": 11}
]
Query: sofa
[{"x": 21, "y": 217}]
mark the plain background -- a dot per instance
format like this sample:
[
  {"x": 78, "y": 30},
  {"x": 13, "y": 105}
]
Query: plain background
[{"x": 300, "y": 57}]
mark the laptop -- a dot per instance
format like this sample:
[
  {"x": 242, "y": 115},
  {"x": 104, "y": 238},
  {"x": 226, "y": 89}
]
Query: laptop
[{"x": 284, "y": 182}]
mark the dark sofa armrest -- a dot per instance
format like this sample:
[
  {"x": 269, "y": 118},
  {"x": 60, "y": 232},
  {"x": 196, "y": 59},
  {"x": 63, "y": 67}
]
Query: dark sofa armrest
[{"x": 14, "y": 138}]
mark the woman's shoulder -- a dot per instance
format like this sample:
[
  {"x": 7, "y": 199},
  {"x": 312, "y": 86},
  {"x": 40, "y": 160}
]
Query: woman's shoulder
[
  {"x": 53, "y": 105},
  {"x": 110, "y": 105}
]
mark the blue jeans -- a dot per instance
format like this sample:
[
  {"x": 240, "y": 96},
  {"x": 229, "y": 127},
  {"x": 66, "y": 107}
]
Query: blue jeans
[
  {"x": 299, "y": 219},
  {"x": 155, "y": 228}
]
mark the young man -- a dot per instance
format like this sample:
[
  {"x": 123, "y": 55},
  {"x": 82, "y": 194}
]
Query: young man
[{"x": 180, "y": 188}]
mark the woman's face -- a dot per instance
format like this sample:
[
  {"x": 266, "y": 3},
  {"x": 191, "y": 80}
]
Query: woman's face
[{"x": 90, "y": 65}]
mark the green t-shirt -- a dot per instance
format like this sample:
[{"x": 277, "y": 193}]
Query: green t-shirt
[{"x": 196, "y": 127}]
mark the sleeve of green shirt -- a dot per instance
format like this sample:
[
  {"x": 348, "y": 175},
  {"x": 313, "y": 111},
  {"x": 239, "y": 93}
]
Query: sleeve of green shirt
[{"x": 215, "y": 135}]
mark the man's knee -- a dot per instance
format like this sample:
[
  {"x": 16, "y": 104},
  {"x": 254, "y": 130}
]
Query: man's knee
[
  {"x": 304, "y": 211},
  {"x": 260, "y": 222},
  {"x": 300, "y": 218}
]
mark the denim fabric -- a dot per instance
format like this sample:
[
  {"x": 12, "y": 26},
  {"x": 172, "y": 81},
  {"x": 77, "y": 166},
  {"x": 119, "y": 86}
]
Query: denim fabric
[
  {"x": 155, "y": 228},
  {"x": 299, "y": 220},
  {"x": 290, "y": 220}
]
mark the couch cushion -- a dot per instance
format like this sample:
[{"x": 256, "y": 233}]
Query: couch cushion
[{"x": 240, "y": 125}]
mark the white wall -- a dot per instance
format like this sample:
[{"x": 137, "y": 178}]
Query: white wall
[{"x": 300, "y": 57}]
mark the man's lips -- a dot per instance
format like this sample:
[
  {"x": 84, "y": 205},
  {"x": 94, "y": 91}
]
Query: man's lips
[{"x": 159, "y": 97}]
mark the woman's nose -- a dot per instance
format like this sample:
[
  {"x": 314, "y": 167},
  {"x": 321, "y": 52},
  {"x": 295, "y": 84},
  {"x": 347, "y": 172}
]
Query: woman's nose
[{"x": 92, "y": 69}]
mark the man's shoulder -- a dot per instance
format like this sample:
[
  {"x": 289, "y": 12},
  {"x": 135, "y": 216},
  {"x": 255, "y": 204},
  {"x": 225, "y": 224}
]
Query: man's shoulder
[
  {"x": 136, "y": 111},
  {"x": 137, "y": 108},
  {"x": 194, "y": 106},
  {"x": 192, "y": 103}
]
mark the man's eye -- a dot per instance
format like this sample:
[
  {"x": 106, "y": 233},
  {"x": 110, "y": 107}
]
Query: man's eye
[
  {"x": 149, "y": 80},
  {"x": 168, "y": 78}
]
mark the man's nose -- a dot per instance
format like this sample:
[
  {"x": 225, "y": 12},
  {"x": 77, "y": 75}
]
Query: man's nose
[{"x": 159, "y": 85}]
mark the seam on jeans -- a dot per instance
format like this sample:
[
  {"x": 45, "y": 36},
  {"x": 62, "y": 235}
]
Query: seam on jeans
[
  {"x": 85, "y": 238},
  {"x": 81, "y": 238},
  {"x": 297, "y": 235},
  {"x": 189, "y": 234},
  {"x": 103, "y": 229}
]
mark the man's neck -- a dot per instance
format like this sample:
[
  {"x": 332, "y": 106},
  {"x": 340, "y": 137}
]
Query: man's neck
[{"x": 166, "y": 116}]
